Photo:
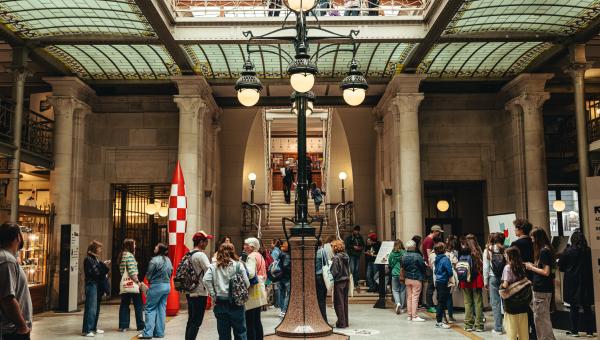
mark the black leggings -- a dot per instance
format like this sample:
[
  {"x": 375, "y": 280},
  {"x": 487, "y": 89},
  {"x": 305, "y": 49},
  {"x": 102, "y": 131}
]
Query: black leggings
[
  {"x": 254, "y": 328},
  {"x": 588, "y": 319}
]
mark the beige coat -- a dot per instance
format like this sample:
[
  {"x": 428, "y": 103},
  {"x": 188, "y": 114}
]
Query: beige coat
[{"x": 257, "y": 294}]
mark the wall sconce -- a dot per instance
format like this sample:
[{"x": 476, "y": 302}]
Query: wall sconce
[
  {"x": 443, "y": 205},
  {"x": 559, "y": 205}
]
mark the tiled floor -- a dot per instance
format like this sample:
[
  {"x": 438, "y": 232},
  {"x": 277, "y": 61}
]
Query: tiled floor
[{"x": 373, "y": 323}]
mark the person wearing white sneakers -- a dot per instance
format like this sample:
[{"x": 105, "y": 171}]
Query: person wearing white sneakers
[
  {"x": 414, "y": 272},
  {"x": 442, "y": 274},
  {"x": 95, "y": 273},
  {"x": 398, "y": 286}
]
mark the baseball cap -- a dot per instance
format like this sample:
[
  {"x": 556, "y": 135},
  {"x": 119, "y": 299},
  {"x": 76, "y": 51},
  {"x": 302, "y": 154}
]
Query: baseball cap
[
  {"x": 437, "y": 228},
  {"x": 201, "y": 235},
  {"x": 373, "y": 236}
]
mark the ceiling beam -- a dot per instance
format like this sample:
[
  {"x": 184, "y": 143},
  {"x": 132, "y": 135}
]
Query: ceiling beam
[
  {"x": 36, "y": 54},
  {"x": 95, "y": 39},
  {"x": 445, "y": 13},
  {"x": 504, "y": 36},
  {"x": 156, "y": 20}
]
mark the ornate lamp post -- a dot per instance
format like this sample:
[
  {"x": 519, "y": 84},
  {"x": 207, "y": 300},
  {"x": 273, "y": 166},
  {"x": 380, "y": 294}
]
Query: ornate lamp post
[{"x": 303, "y": 318}]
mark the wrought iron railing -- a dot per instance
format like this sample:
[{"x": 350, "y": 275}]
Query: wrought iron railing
[
  {"x": 342, "y": 214},
  {"x": 594, "y": 130},
  {"x": 38, "y": 131},
  {"x": 276, "y": 8},
  {"x": 255, "y": 216}
]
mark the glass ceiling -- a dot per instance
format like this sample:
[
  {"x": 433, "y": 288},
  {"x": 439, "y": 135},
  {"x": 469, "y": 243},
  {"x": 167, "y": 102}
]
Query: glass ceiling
[
  {"x": 37, "y": 18},
  {"x": 106, "y": 62},
  {"x": 226, "y": 60},
  {"x": 559, "y": 17},
  {"x": 480, "y": 59}
]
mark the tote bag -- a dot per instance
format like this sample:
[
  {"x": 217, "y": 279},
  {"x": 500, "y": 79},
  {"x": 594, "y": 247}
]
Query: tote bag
[
  {"x": 327, "y": 277},
  {"x": 127, "y": 285}
]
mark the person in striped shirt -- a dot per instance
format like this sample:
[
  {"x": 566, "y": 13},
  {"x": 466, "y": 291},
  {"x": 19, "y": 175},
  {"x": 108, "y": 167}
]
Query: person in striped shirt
[{"x": 127, "y": 263}]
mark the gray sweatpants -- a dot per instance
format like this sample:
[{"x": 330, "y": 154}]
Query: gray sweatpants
[{"x": 541, "y": 315}]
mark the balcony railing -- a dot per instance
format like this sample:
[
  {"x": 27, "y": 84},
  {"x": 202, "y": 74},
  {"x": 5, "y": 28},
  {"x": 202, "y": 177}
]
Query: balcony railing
[
  {"x": 276, "y": 8},
  {"x": 38, "y": 131},
  {"x": 594, "y": 130}
]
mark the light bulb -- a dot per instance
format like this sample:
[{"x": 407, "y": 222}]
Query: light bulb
[
  {"x": 252, "y": 176},
  {"x": 443, "y": 205},
  {"x": 354, "y": 96},
  {"x": 297, "y": 5},
  {"x": 559, "y": 205},
  {"x": 151, "y": 209},
  {"x": 163, "y": 211},
  {"x": 302, "y": 82},
  {"x": 248, "y": 97},
  {"x": 343, "y": 176}
]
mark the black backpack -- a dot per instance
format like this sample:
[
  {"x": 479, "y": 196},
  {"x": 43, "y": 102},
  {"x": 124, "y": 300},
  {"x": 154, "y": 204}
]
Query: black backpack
[{"x": 498, "y": 262}]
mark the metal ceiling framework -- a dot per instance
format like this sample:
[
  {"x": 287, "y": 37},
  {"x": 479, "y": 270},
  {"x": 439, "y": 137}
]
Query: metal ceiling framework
[{"x": 111, "y": 40}]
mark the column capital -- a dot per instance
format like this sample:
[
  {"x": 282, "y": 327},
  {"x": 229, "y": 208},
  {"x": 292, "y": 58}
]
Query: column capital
[
  {"x": 378, "y": 127},
  {"x": 216, "y": 127},
  {"x": 405, "y": 103},
  {"x": 577, "y": 70},
  {"x": 189, "y": 104},
  {"x": 526, "y": 83},
  {"x": 195, "y": 86},
  {"x": 68, "y": 106},
  {"x": 401, "y": 84},
  {"x": 71, "y": 87},
  {"x": 528, "y": 102}
]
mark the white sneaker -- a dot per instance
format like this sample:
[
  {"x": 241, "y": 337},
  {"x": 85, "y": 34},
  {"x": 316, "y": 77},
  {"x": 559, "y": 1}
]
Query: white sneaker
[
  {"x": 418, "y": 319},
  {"x": 281, "y": 315},
  {"x": 441, "y": 325},
  {"x": 398, "y": 309},
  {"x": 90, "y": 335},
  {"x": 497, "y": 332},
  {"x": 409, "y": 318},
  {"x": 99, "y": 331}
]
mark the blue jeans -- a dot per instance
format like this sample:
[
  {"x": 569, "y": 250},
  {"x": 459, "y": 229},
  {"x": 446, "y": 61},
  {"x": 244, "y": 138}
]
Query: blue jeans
[
  {"x": 354, "y": 262},
  {"x": 399, "y": 292},
  {"x": 372, "y": 274},
  {"x": 450, "y": 305},
  {"x": 352, "y": 12},
  {"x": 156, "y": 309},
  {"x": 138, "y": 306},
  {"x": 92, "y": 307},
  {"x": 496, "y": 302},
  {"x": 284, "y": 295},
  {"x": 230, "y": 317}
]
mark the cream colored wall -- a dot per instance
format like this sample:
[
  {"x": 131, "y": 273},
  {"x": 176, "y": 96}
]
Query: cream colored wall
[
  {"x": 254, "y": 161},
  {"x": 340, "y": 159}
]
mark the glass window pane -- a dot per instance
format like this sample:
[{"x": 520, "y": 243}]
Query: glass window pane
[{"x": 570, "y": 216}]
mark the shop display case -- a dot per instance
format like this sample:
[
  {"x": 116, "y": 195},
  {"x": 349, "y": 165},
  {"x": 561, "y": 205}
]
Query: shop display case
[{"x": 34, "y": 255}]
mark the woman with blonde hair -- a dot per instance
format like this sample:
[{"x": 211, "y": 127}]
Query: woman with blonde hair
[
  {"x": 229, "y": 315},
  {"x": 257, "y": 295},
  {"x": 95, "y": 273},
  {"x": 340, "y": 270}
]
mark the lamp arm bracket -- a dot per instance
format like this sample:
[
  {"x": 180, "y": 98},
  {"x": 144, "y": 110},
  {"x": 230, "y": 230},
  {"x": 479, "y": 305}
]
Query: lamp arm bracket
[{"x": 268, "y": 35}]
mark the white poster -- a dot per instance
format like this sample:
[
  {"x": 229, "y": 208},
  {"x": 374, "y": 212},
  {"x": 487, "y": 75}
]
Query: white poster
[
  {"x": 503, "y": 223},
  {"x": 384, "y": 252},
  {"x": 74, "y": 268}
]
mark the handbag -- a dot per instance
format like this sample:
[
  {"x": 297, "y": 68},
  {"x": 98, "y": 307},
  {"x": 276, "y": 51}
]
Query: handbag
[
  {"x": 127, "y": 285},
  {"x": 327, "y": 276}
]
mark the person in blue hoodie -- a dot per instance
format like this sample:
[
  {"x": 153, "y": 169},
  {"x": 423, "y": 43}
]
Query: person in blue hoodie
[{"x": 443, "y": 273}]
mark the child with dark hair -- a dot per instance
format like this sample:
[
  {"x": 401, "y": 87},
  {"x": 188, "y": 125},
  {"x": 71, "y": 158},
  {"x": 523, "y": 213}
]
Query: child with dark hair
[
  {"x": 515, "y": 320},
  {"x": 443, "y": 273}
]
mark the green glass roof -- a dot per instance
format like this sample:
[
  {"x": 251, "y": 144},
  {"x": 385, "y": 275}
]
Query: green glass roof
[
  {"x": 226, "y": 60},
  {"x": 559, "y": 17},
  {"x": 37, "y": 18},
  {"x": 480, "y": 59},
  {"x": 116, "y": 61}
]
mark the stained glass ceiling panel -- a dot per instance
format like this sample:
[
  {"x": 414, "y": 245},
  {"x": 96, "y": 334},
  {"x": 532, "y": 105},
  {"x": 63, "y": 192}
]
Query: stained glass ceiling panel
[
  {"x": 38, "y": 18},
  {"x": 226, "y": 60},
  {"x": 558, "y": 17},
  {"x": 480, "y": 59},
  {"x": 105, "y": 62}
]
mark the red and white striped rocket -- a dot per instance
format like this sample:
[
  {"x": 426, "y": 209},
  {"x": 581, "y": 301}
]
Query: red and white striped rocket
[{"x": 177, "y": 228}]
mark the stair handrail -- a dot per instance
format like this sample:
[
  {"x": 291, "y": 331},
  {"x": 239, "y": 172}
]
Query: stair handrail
[
  {"x": 337, "y": 222},
  {"x": 259, "y": 224}
]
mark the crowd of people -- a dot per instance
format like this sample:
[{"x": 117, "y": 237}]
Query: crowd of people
[{"x": 518, "y": 278}]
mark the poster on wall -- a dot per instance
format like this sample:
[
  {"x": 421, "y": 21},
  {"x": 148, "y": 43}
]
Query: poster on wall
[
  {"x": 384, "y": 252},
  {"x": 503, "y": 223}
]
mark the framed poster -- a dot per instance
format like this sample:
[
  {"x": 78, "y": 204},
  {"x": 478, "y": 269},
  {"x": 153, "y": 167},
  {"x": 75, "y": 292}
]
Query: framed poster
[
  {"x": 384, "y": 252},
  {"x": 503, "y": 223}
]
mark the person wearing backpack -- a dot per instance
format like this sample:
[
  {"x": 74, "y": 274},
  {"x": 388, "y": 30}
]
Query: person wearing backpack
[
  {"x": 516, "y": 305},
  {"x": 284, "y": 263},
  {"x": 493, "y": 265},
  {"x": 469, "y": 270},
  {"x": 398, "y": 286},
  {"x": 275, "y": 251},
  {"x": 317, "y": 196},
  {"x": 192, "y": 268},
  {"x": 443, "y": 272},
  {"x": 222, "y": 280},
  {"x": 257, "y": 296}
]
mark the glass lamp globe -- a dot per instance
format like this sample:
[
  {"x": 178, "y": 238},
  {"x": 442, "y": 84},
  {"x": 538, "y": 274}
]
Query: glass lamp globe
[
  {"x": 342, "y": 176},
  {"x": 559, "y": 205},
  {"x": 302, "y": 82},
  {"x": 443, "y": 205},
  {"x": 252, "y": 176},
  {"x": 150, "y": 208},
  {"x": 248, "y": 97},
  {"x": 163, "y": 211},
  {"x": 300, "y": 5},
  {"x": 354, "y": 96}
]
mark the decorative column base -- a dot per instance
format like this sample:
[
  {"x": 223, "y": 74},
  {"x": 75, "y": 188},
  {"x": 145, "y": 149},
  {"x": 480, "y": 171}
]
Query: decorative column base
[{"x": 303, "y": 318}]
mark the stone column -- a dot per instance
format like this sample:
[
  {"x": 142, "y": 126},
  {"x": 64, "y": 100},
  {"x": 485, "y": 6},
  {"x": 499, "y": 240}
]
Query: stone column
[
  {"x": 70, "y": 100},
  {"x": 379, "y": 200},
  {"x": 402, "y": 99},
  {"x": 526, "y": 99},
  {"x": 577, "y": 70},
  {"x": 194, "y": 105}
]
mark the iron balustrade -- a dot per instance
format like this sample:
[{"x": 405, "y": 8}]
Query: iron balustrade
[
  {"x": 276, "y": 8},
  {"x": 594, "y": 130},
  {"x": 38, "y": 130},
  {"x": 254, "y": 215},
  {"x": 343, "y": 213}
]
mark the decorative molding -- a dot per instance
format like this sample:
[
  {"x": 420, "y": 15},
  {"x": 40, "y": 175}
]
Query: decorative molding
[
  {"x": 71, "y": 87},
  {"x": 400, "y": 85}
]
